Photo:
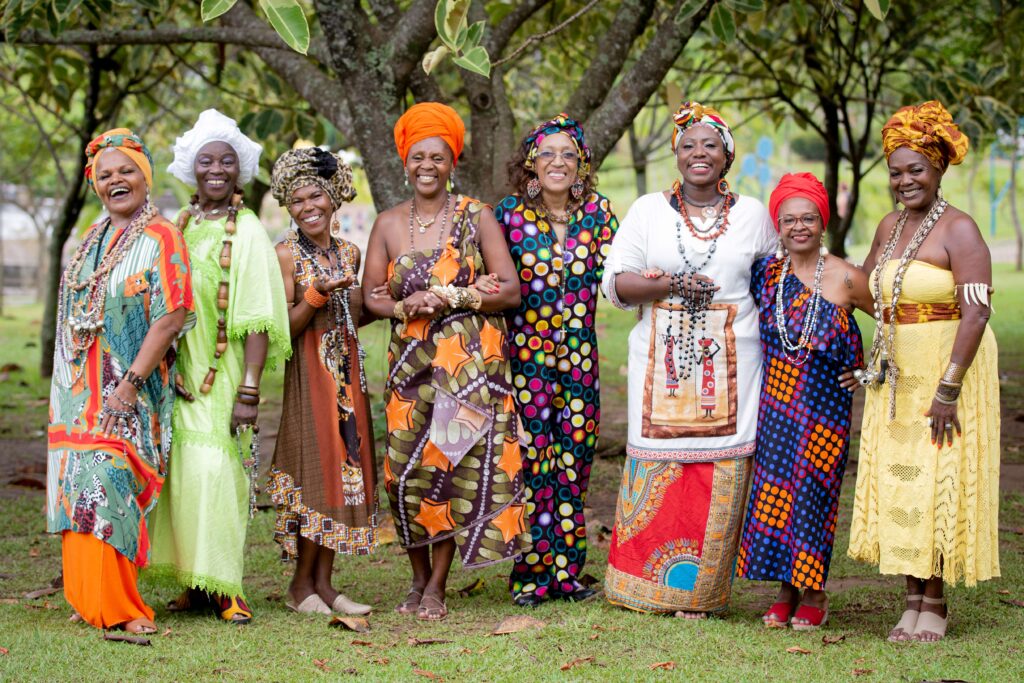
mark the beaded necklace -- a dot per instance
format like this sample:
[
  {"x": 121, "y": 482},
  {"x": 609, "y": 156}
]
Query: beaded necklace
[
  {"x": 713, "y": 231},
  {"x": 440, "y": 234},
  {"x": 544, "y": 218},
  {"x": 230, "y": 227},
  {"x": 802, "y": 347},
  {"x": 884, "y": 342},
  {"x": 79, "y": 329}
]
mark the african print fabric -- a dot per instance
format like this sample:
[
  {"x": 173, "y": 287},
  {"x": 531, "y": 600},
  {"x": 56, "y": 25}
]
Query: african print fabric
[
  {"x": 453, "y": 466},
  {"x": 676, "y": 529},
  {"x": 199, "y": 526},
  {"x": 803, "y": 437},
  {"x": 324, "y": 479},
  {"x": 553, "y": 347},
  {"x": 106, "y": 485},
  {"x": 919, "y": 509}
]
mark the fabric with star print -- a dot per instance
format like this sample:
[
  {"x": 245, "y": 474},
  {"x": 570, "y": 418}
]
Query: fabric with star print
[{"x": 453, "y": 467}]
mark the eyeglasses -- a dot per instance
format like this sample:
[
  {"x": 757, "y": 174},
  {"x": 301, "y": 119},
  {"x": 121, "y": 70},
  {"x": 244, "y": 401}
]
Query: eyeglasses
[
  {"x": 808, "y": 219},
  {"x": 568, "y": 157}
]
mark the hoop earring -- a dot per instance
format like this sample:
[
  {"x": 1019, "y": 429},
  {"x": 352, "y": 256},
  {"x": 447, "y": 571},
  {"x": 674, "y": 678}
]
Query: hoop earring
[
  {"x": 576, "y": 189},
  {"x": 533, "y": 188},
  {"x": 723, "y": 187}
]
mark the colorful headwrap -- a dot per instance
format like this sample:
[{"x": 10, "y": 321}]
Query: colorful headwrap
[
  {"x": 693, "y": 114},
  {"x": 427, "y": 120},
  {"x": 929, "y": 130},
  {"x": 298, "y": 168},
  {"x": 560, "y": 124},
  {"x": 126, "y": 141},
  {"x": 804, "y": 185},
  {"x": 212, "y": 126}
]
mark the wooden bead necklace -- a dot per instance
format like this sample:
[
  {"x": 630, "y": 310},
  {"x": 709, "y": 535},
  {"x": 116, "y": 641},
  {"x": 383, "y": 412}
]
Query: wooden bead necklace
[{"x": 711, "y": 233}]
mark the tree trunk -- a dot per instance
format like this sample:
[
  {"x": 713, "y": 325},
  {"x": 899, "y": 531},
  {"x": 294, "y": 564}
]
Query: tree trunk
[
  {"x": 639, "y": 161},
  {"x": 836, "y": 229}
]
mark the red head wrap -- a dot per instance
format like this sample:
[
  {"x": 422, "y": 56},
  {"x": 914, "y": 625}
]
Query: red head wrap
[
  {"x": 799, "y": 185},
  {"x": 427, "y": 120}
]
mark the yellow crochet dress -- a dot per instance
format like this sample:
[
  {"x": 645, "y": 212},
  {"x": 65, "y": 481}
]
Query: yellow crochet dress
[{"x": 918, "y": 509}]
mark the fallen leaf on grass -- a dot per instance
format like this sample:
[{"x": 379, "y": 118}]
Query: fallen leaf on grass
[
  {"x": 472, "y": 589},
  {"x": 121, "y": 638},
  {"x": 427, "y": 674},
  {"x": 166, "y": 633},
  {"x": 1015, "y": 603},
  {"x": 382, "y": 661},
  {"x": 862, "y": 672},
  {"x": 42, "y": 592},
  {"x": 427, "y": 641},
  {"x": 797, "y": 650},
  {"x": 321, "y": 664},
  {"x": 273, "y": 597},
  {"x": 595, "y": 636},
  {"x": 364, "y": 643},
  {"x": 3, "y": 651},
  {"x": 665, "y": 666},
  {"x": 576, "y": 662},
  {"x": 10, "y": 367},
  {"x": 832, "y": 640},
  {"x": 1003, "y": 592},
  {"x": 33, "y": 552},
  {"x": 9, "y": 601},
  {"x": 357, "y": 624},
  {"x": 515, "y": 624}
]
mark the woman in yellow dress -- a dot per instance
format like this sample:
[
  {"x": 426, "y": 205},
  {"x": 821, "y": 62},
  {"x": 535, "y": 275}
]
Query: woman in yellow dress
[{"x": 928, "y": 482}]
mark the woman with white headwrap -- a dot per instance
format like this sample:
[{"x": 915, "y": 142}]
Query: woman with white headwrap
[{"x": 200, "y": 524}]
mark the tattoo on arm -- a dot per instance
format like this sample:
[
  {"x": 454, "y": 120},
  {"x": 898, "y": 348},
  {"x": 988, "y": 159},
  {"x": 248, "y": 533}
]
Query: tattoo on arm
[{"x": 848, "y": 281}]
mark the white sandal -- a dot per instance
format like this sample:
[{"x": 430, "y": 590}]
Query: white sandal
[
  {"x": 311, "y": 605},
  {"x": 907, "y": 622},
  {"x": 930, "y": 622}
]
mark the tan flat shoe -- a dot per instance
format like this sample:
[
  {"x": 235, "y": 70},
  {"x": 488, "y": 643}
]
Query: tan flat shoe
[
  {"x": 311, "y": 605},
  {"x": 342, "y": 605}
]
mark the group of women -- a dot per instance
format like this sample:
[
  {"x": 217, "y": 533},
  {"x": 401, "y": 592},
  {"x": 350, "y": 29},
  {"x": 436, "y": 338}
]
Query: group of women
[{"x": 741, "y": 370}]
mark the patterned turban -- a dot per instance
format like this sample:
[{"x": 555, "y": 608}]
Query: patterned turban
[
  {"x": 298, "y": 168},
  {"x": 212, "y": 126},
  {"x": 428, "y": 120},
  {"x": 696, "y": 114},
  {"x": 929, "y": 130},
  {"x": 126, "y": 141},
  {"x": 560, "y": 124},
  {"x": 804, "y": 185}
]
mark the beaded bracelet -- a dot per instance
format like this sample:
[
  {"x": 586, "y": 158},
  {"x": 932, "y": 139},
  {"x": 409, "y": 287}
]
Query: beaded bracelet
[
  {"x": 315, "y": 298},
  {"x": 135, "y": 380}
]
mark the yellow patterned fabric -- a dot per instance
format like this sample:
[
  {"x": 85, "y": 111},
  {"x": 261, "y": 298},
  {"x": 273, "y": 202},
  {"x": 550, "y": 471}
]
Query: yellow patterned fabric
[
  {"x": 929, "y": 130},
  {"x": 921, "y": 510}
]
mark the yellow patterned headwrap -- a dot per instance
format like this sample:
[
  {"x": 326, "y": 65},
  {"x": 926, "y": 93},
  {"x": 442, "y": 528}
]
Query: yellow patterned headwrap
[{"x": 929, "y": 130}]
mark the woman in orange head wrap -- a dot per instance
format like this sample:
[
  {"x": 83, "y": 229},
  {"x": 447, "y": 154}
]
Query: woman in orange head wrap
[
  {"x": 928, "y": 479},
  {"x": 453, "y": 469}
]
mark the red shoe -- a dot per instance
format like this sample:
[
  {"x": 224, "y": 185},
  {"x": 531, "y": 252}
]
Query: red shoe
[
  {"x": 811, "y": 618},
  {"x": 778, "y": 615}
]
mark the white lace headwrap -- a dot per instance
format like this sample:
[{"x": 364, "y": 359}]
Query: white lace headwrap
[{"x": 213, "y": 126}]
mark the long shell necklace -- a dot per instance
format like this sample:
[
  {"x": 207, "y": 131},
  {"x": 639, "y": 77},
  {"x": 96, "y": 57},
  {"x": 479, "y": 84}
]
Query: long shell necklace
[
  {"x": 802, "y": 347},
  {"x": 881, "y": 365},
  {"x": 230, "y": 227},
  {"x": 545, "y": 216},
  {"x": 334, "y": 344},
  {"x": 78, "y": 329}
]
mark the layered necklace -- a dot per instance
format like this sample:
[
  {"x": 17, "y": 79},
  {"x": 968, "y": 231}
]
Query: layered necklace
[
  {"x": 81, "y": 302},
  {"x": 802, "y": 347},
  {"x": 441, "y": 232},
  {"x": 881, "y": 365},
  {"x": 697, "y": 297},
  {"x": 415, "y": 215}
]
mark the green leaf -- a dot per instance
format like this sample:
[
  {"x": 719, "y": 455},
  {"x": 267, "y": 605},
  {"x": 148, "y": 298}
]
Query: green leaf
[
  {"x": 288, "y": 19},
  {"x": 800, "y": 14},
  {"x": 63, "y": 8},
  {"x": 267, "y": 122},
  {"x": 434, "y": 57},
  {"x": 211, "y": 9},
  {"x": 744, "y": 5},
  {"x": 475, "y": 35},
  {"x": 722, "y": 24},
  {"x": 476, "y": 60},
  {"x": 455, "y": 16},
  {"x": 687, "y": 10},
  {"x": 878, "y": 8},
  {"x": 440, "y": 17}
]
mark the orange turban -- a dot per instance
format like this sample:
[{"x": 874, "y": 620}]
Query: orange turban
[
  {"x": 428, "y": 120},
  {"x": 929, "y": 130},
  {"x": 126, "y": 141},
  {"x": 804, "y": 185}
]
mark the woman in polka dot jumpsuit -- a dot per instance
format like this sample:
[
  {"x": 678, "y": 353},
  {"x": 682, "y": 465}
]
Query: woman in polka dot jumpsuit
[{"x": 559, "y": 231}]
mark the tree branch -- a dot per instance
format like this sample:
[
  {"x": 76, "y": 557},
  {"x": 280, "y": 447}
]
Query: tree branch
[
  {"x": 496, "y": 40},
  {"x": 411, "y": 37},
  {"x": 261, "y": 36},
  {"x": 547, "y": 34}
]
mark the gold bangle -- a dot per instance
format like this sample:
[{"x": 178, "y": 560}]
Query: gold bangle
[
  {"x": 954, "y": 373},
  {"x": 399, "y": 312}
]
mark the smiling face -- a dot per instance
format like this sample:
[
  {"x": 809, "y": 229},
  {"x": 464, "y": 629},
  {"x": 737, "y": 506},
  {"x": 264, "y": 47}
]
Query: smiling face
[
  {"x": 429, "y": 166},
  {"x": 557, "y": 163},
  {"x": 800, "y": 226},
  {"x": 311, "y": 209},
  {"x": 119, "y": 183},
  {"x": 216, "y": 169},
  {"x": 700, "y": 156},
  {"x": 913, "y": 179}
]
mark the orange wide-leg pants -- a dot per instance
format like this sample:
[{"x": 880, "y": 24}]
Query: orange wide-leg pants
[{"x": 100, "y": 583}]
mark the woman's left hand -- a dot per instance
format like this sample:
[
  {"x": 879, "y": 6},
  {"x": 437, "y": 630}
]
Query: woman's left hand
[
  {"x": 943, "y": 421},
  {"x": 488, "y": 284},
  {"x": 380, "y": 292},
  {"x": 121, "y": 399},
  {"x": 243, "y": 415},
  {"x": 848, "y": 381}
]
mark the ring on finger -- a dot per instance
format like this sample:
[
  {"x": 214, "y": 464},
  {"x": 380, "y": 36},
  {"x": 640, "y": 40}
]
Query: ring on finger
[
  {"x": 949, "y": 427},
  {"x": 929, "y": 422}
]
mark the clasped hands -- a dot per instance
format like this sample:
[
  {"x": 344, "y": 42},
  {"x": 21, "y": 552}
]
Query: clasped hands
[
  {"x": 689, "y": 280},
  {"x": 429, "y": 304}
]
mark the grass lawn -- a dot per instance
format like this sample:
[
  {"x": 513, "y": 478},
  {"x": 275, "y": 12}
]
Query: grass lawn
[{"x": 587, "y": 641}]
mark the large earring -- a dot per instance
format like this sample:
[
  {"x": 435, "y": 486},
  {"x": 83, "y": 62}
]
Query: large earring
[
  {"x": 577, "y": 188},
  {"x": 450, "y": 185},
  {"x": 533, "y": 188},
  {"x": 723, "y": 187},
  {"x": 405, "y": 170},
  {"x": 335, "y": 226},
  {"x": 822, "y": 249},
  {"x": 780, "y": 252}
]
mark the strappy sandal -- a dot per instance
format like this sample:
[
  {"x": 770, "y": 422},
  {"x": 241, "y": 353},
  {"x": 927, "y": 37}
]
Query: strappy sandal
[
  {"x": 235, "y": 610},
  {"x": 778, "y": 615},
  {"x": 411, "y": 604},
  {"x": 425, "y": 613},
  {"x": 908, "y": 621},
  {"x": 930, "y": 622}
]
